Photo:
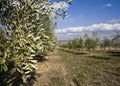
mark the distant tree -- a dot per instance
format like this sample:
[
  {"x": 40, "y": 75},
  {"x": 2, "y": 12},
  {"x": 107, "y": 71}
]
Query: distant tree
[
  {"x": 75, "y": 43},
  {"x": 116, "y": 40},
  {"x": 107, "y": 43},
  {"x": 95, "y": 40},
  {"x": 80, "y": 43},
  {"x": 88, "y": 43},
  {"x": 91, "y": 43},
  {"x": 101, "y": 45},
  {"x": 70, "y": 45}
]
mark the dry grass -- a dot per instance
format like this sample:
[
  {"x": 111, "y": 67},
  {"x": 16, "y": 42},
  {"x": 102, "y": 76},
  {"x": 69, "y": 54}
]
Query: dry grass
[
  {"x": 52, "y": 72},
  {"x": 99, "y": 69}
]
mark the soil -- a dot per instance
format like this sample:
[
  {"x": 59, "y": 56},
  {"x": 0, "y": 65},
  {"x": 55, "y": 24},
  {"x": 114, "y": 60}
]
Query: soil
[{"x": 52, "y": 72}]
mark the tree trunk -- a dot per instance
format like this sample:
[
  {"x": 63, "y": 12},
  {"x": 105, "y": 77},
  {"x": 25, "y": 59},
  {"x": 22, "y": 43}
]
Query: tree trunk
[
  {"x": 89, "y": 51},
  {"x": 109, "y": 48},
  {"x": 104, "y": 48}
]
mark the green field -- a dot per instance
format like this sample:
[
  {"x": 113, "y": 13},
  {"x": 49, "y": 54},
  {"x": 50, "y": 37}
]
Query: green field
[{"x": 99, "y": 69}]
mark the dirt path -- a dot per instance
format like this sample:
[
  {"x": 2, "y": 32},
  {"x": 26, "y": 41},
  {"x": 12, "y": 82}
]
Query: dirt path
[{"x": 52, "y": 72}]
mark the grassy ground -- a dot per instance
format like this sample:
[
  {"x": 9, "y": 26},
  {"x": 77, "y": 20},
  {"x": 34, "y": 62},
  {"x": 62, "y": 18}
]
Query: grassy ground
[
  {"x": 52, "y": 72},
  {"x": 98, "y": 69},
  {"x": 71, "y": 68}
]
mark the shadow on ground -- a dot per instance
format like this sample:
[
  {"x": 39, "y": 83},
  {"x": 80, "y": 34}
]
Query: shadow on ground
[
  {"x": 114, "y": 53},
  {"x": 100, "y": 57}
]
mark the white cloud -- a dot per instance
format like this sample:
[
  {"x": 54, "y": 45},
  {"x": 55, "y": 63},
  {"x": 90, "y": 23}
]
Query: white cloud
[
  {"x": 108, "y": 5},
  {"x": 94, "y": 27},
  {"x": 114, "y": 21},
  {"x": 103, "y": 29},
  {"x": 69, "y": 34}
]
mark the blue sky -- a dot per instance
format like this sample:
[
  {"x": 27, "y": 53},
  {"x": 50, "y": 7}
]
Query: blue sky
[
  {"x": 87, "y": 13},
  {"x": 85, "y": 16}
]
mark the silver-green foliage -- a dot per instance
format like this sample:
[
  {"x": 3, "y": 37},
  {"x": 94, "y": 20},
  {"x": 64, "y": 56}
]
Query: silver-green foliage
[
  {"x": 28, "y": 33},
  {"x": 88, "y": 43},
  {"x": 116, "y": 40},
  {"x": 91, "y": 43}
]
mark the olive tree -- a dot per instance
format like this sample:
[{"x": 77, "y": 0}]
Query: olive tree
[
  {"x": 116, "y": 40},
  {"x": 107, "y": 43},
  {"x": 28, "y": 33},
  {"x": 91, "y": 43}
]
